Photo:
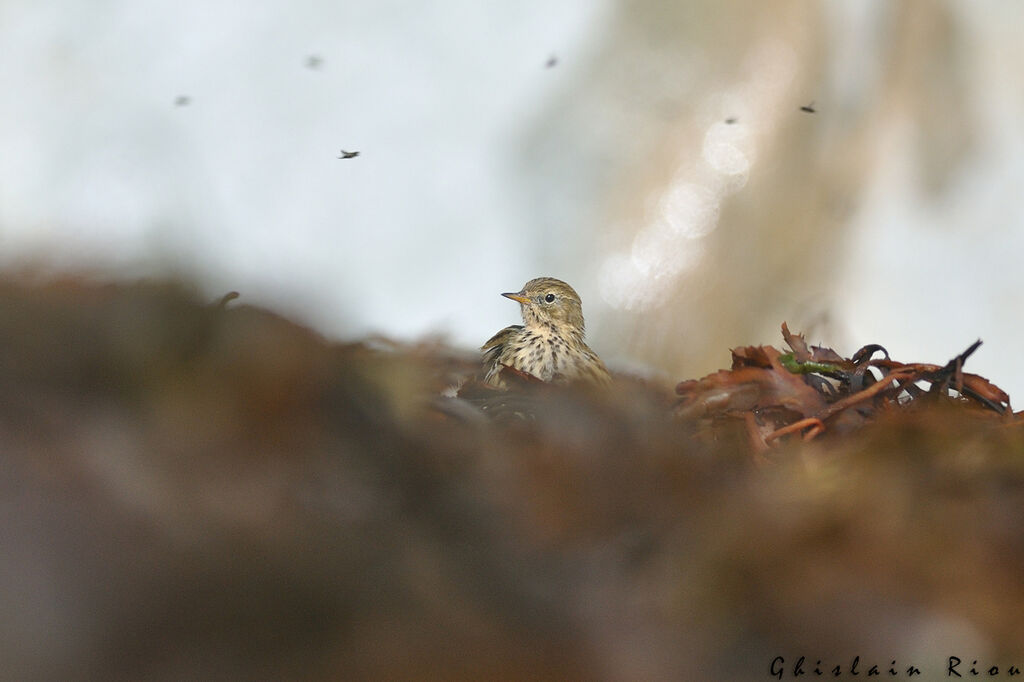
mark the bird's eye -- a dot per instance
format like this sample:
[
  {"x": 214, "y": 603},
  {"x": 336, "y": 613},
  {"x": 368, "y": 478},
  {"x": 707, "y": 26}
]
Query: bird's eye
[{"x": 550, "y": 298}]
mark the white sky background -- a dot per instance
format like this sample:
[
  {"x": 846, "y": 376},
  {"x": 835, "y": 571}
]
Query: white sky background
[
  {"x": 242, "y": 189},
  {"x": 928, "y": 276}
]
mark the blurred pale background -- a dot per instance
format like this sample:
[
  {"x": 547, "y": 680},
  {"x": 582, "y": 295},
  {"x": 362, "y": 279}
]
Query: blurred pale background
[{"x": 652, "y": 154}]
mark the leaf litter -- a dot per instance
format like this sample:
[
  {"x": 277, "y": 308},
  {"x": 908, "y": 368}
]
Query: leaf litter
[{"x": 812, "y": 390}]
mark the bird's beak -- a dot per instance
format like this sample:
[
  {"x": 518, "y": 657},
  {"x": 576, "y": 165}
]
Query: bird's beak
[{"x": 517, "y": 297}]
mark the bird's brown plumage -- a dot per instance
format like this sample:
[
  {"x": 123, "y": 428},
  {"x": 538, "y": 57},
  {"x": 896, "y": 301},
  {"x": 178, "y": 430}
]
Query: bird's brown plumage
[{"x": 549, "y": 344}]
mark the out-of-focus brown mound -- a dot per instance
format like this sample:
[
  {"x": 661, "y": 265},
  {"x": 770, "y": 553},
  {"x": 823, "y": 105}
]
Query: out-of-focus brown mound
[{"x": 205, "y": 492}]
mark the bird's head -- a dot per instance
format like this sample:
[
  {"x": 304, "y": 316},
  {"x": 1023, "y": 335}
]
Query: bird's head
[{"x": 547, "y": 300}]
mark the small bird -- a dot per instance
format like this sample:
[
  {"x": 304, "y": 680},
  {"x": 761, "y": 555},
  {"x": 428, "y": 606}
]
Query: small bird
[
  {"x": 550, "y": 346},
  {"x": 348, "y": 155}
]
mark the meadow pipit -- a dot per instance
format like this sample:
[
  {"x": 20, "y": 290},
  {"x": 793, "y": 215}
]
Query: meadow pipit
[{"x": 550, "y": 346}]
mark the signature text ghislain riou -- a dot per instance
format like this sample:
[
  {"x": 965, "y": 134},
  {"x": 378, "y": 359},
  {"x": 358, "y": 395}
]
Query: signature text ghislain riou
[{"x": 954, "y": 668}]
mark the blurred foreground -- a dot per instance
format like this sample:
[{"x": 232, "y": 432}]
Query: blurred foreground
[{"x": 197, "y": 491}]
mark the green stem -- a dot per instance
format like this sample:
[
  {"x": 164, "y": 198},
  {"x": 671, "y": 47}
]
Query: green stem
[{"x": 790, "y": 362}]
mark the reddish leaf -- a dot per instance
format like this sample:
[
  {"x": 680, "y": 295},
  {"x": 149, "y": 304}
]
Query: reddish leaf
[
  {"x": 750, "y": 356},
  {"x": 797, "y": 343}
]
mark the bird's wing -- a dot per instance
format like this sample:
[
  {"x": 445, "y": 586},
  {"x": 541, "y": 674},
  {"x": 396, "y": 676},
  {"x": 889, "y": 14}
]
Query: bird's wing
[
  {"x": 492, "y": 349},
  {"x": 502, "y": 337}
]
